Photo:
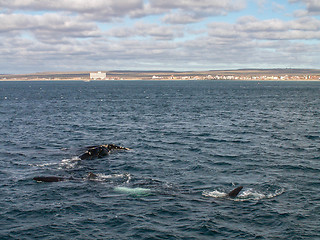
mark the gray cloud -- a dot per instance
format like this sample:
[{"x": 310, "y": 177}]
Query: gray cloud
[
  {"x": 313, "y": 7},
  {"x": 120, "y": 6}
]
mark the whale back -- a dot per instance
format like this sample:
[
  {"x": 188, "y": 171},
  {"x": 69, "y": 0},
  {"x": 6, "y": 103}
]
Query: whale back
[{"x": 49, "y": 179}]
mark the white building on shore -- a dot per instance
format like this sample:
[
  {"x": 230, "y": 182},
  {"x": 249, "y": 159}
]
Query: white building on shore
[{"x": 98, "y": 75}]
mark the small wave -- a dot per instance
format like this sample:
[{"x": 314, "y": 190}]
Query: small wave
[
  {"x": 214, "y": 140},
  {"x": 43, "y": 165},
  {"x": 222, "y": 164},
  {"x": 228, "y": 156}
]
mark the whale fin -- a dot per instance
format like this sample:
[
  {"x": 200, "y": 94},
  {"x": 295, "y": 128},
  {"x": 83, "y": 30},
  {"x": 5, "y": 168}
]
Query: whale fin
[
  {"x": 91, "y": 176},
  {"x": 235, "y": 192}
]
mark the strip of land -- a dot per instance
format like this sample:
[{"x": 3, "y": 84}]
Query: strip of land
[{"x": 241, "y": 74}]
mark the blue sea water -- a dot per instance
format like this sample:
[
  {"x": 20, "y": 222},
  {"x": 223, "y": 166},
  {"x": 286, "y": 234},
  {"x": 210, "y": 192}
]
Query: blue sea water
[{"x": 191, "y": 143}]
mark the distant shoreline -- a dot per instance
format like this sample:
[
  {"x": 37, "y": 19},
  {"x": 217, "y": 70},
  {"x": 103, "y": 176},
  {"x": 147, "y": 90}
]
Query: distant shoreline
[
  {"x": 230, "y": 75},
  {"x": 150, "y": 80}
]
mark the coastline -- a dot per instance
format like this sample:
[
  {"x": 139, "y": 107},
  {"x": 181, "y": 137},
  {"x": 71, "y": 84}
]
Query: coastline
[
  {"x": 139, "y": 79},
  {"x": 228, "y": 75},
  {"x": 163, "y": 80}
]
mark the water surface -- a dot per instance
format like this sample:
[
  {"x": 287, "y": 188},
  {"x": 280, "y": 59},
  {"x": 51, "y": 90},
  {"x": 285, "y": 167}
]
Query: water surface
[{"x": 192, "y": 142}]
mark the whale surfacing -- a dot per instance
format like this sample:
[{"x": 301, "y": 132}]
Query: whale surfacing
[
  {"x": 49, "y": 179},
  {"x": 100, "y": 151}
]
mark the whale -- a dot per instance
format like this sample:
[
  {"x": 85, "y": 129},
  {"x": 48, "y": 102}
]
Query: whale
[
  {"x": 50, "y": 179},
  {"x": 135, "y": 191},
  {"x": 234, "y": 193},
  {"x": 91, "y": 176},
  {"x": 100, "y": 151}
]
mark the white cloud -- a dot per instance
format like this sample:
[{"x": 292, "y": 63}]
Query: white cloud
[
  {"x": 78, "y": 34},
  {"x": 104, "y": 10},
  {"x": 203, "y": 6},
  {"x": 48, "y": 26},
  {"x": 276, "y": 7},
  {"x": 271, "y": 29},
  {"x": 190, "y": 11},
  {"x": 142, "y": 29},
  {"x": 108, "y": 10},
  {"x": 181, "y": 17},
  {"x": 209, "y": 52}
]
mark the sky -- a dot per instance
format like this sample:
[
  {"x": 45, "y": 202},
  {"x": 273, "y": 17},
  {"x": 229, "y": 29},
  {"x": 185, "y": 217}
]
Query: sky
[{"x": 180, "y": 35}]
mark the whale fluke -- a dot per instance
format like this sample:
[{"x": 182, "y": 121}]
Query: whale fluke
[
  {"x": 49, "y": 179},
  {"x": 235, "y": 192}
]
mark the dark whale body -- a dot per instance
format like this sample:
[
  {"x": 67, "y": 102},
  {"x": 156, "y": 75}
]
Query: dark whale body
[
  {"x": 50, "y": 179},
  {"x": 91, "y": 176},
  {"x": 100, "y": 151},
  {"x": 235, "y": 192}
]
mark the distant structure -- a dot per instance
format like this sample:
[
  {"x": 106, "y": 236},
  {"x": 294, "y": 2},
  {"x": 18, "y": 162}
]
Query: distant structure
[{"x": 98, "y": 75}]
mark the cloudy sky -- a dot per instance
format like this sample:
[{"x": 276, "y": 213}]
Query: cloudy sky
[{"x": 83, "y": 35}]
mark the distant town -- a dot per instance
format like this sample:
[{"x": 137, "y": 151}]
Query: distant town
[
  {"x": 243, "y": 78},
  {"x": 237, "y": 75}
]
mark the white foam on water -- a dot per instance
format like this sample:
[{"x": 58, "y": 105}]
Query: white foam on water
[
  {"x": 124, "y": 177},
  {"x": 214, "y": 194},
  {"x": 69, "y": 163},
  {"x": 252, "y": 194},
  {"x": 276, "y": 193},
  {"x": 247, "y": 195}
]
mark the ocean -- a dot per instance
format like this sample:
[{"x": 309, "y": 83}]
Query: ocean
[{"x": 191, "y": 142}]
